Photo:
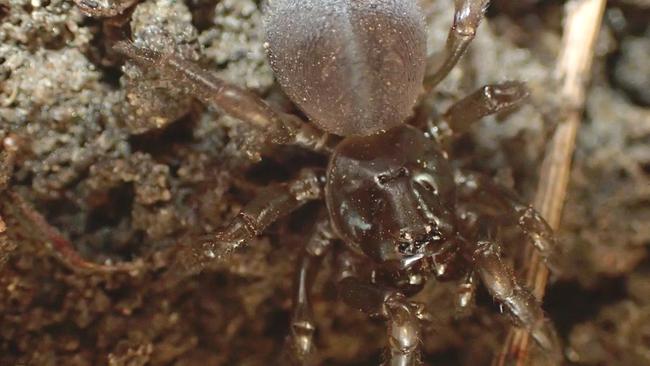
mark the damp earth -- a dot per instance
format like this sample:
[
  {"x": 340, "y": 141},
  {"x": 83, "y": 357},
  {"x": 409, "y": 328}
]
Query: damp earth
[{"x": 100, "y": 157}]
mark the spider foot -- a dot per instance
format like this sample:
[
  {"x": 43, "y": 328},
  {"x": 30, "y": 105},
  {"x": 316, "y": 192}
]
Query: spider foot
[
  {"x": 542, "y": 237},
  {"x": 545, "y": 335},
  {"x": 524, "y": 309},
  {"x": 192, "y": 259}
]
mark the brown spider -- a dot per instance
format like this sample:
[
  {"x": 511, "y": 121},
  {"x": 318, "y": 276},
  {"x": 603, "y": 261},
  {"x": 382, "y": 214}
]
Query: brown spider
[{"x": 356, "y": 69}]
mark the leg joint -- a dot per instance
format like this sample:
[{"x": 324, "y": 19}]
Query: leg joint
[{"x": 309, "y": 186}]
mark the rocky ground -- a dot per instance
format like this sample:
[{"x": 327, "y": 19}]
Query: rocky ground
[{"x": 102, "y": 159}]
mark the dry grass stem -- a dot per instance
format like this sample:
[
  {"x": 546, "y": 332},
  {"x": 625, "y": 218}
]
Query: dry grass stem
[{"x": 581, "y": 27}]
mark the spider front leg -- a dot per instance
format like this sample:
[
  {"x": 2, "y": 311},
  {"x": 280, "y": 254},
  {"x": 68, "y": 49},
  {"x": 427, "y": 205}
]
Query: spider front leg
[
  {"x": 270, "y": 204},
  {"x": 482, "y": 196},
  {"x": 488, "y": 99},
  {"x": 467, "y": 16},
  {"x": 237, "y": 102},
  {"x": 466, "y": 293},
  {"x": 402, "y": 316},
  {"x": 299, "y": 347},
  {"x": 525, "y": 310}
]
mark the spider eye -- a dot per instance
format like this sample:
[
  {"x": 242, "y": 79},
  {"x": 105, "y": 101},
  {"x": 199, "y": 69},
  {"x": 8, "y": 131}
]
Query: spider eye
[
  {"x": 383, "y": 178},
  {"x": 426, "y": 181},
  {"x": 401, "y": 172},
  {"x": 387, "y": 177}
]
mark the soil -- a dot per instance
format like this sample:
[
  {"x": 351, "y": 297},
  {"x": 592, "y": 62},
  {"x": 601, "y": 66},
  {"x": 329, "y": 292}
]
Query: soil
[{"x": 109, "y": 162}]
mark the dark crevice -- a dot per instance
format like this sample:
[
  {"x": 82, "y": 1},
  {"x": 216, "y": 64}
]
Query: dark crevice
[
  {"x": 60, "y": 41},
  {"x": 569, "y": 304},
  {"x": 268, "y": 171},
  {"x": 109, "y": 211},
  {"x": 276, "y": 322},
  {"x": 99, "y": 52},
  {"x": 625, "y": 21},
  {"x": 111, "y": 208},
  {"x": 202, "y": 13},
  {"x": 450, "y": 357},
  {"x": 4, "y": 11},
  {"x": 162, "y": 142}
]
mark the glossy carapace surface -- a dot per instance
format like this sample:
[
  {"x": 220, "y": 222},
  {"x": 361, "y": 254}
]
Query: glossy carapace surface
[
  {"x": 391, "y": 196},
  {"x": 354, "y": 67}
]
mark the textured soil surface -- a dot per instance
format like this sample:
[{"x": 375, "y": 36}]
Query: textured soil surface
[{"x": 108, "y": 162}]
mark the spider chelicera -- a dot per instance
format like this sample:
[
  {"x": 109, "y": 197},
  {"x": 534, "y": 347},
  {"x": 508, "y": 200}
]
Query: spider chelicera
[{"x": 356, "y": 68}]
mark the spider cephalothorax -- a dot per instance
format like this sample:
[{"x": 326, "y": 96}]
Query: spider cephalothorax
[
  {"x": 404, "y": 213},
  {"x": 391, "y": 195}
]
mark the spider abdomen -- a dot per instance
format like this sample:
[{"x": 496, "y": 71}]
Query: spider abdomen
[{"x": 354, "y": 67}]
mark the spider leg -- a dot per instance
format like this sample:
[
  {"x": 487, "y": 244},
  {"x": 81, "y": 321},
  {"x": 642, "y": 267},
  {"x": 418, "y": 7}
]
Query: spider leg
[
  {"x": 299, "y": 346},
  {"x": 487, "y": 100},
  {"x": 487, "y": 197},
  {"x": 270, "y": 204},
  {"x": 401, "y": 316},
  {"x": 525, "y": 310},
  {"x": 466, "y": 293},
  {"x": 278, "y": 127},
  {"x": 467, "y": 16}
]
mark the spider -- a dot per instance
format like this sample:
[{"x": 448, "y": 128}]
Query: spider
[{"x": 356, "y": 69}]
